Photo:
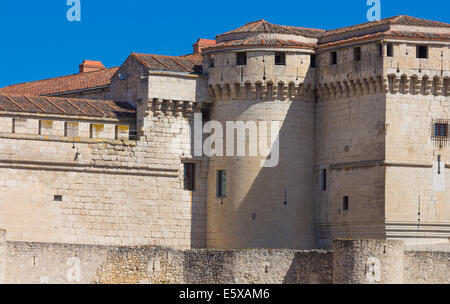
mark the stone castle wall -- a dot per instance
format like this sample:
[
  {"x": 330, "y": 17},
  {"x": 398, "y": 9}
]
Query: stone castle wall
[
  {"x": 350, "y": 144},
  {"x": 417, "y": 203},
  {"x": 100, "y": 189},
  {"x": 357, "y": 261},
  {"x": 2, "y": 256},
  {"x": 250, "y": 217}
]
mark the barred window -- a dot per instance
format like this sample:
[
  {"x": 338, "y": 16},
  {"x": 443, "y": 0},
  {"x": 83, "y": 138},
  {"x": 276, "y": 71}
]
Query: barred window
[{"x": 440, "y": 130}]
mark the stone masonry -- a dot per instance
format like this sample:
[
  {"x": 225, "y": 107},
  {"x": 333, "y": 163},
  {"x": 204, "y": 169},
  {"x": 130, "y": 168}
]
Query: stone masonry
[{"x": 363, "y": 144}]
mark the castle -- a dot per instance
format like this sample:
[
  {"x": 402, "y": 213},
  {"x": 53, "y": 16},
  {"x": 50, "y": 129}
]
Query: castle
[{"x": 106, "y": 156}]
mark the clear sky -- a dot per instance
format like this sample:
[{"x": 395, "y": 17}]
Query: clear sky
[{"x": 39, "y": 42}]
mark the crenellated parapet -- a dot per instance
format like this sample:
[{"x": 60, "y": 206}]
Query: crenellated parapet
[
  {"x": 415, "y": 84},
  {"x": 352, "y": 88},
  {"x": 393, "y": 83},
  {"x": 159, "y": 107},
  {"x": 261, "y": 91}
]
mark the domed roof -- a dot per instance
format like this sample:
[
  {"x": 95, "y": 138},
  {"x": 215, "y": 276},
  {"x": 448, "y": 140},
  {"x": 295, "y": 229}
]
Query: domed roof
[{"x": 262, "y": 26}]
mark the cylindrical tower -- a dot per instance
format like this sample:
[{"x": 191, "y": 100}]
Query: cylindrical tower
[
  {"x": 368, "y": 261},
  {"x": 262, "y": 74}
]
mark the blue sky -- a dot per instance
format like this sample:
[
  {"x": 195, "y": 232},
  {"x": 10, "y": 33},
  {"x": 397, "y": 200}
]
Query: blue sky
[{"x": 39, "y": 42}]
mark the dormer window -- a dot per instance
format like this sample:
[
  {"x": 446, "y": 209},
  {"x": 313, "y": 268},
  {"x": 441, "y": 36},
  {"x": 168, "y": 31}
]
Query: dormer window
[
  {"x": 280, "y": 58},
  {"x": 241, "y": 58},
  {"x": 422, "y": 51},
  {"x": 333, "y": 58}
]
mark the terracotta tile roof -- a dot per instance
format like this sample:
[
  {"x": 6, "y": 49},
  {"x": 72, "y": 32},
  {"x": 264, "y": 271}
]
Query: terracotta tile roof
[
  {"x": 196, "y": 58},
  {"x": 170, "y": 63},
  {"x": 262, "y": 26},
  {"x": 63, "y": 84},
  {"x": 65, "y": 106},
  {"x": 418, "y": 35},
  {"x": 259, "y": 42},
  {"x": 397, "y": 20},
  {"x": 391, "y": 34}
]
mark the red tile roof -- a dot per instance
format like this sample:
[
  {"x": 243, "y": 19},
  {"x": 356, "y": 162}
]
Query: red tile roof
[
  {"x": 65, "y": 106},
  {"x": 262, "y": 26},
  {"x": 261, "y": 42},
  {"x": 82, "y": 81},
  {"x": 397, "y": 20},
  {"x": 390, "y": 34},
  {"x": 170, "y": 63}
]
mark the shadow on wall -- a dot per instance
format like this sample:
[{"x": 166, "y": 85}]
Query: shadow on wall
[
  {"x": 198, "y": 207},
  {"x": 314, "y": 267},
  {"x": 269, "y": 207}
]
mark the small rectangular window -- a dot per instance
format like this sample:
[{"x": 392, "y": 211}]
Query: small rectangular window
[
  {"x": 96, "y": 130},
  {"x": 345, "y": 203},
  {"x": 71, "y": 129},
  {"x": 19, "y": 125},
  {"x": 45, "y": 126},
  {"x": 241, "y": 58},
  {"x": 357, "y": 54},
  {"x": 211, "y": 62},
  {"x": 390, "y": 50},
  {"x": 280, "y": 58},
  {"x": 133, "y": 133},
  {"x": 221, "y": 183},
  {"x": 333, "y": 58},
  {"x": 57, "y": 198},
  {"x": 439, "y": 164},
  {"x": 422, "y": 51},
  {"x": 206, "y": 115},
  {"x": 380, "y": 50},
  {"x": 323, "y": 180},
  {"x": 189, "y": 177},
  {"x": 313, "y": 61}
]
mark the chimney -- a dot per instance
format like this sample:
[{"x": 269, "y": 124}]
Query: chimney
[
  {"x": 89, "y": 66},
  {"x": 203, "y": 44}
]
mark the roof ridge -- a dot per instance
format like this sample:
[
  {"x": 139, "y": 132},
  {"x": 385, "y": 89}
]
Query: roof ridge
[
  {"x": 421, "y": 19},
  {"x": 157, "y": 55},
  {"x": 260, "y": 20}
]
